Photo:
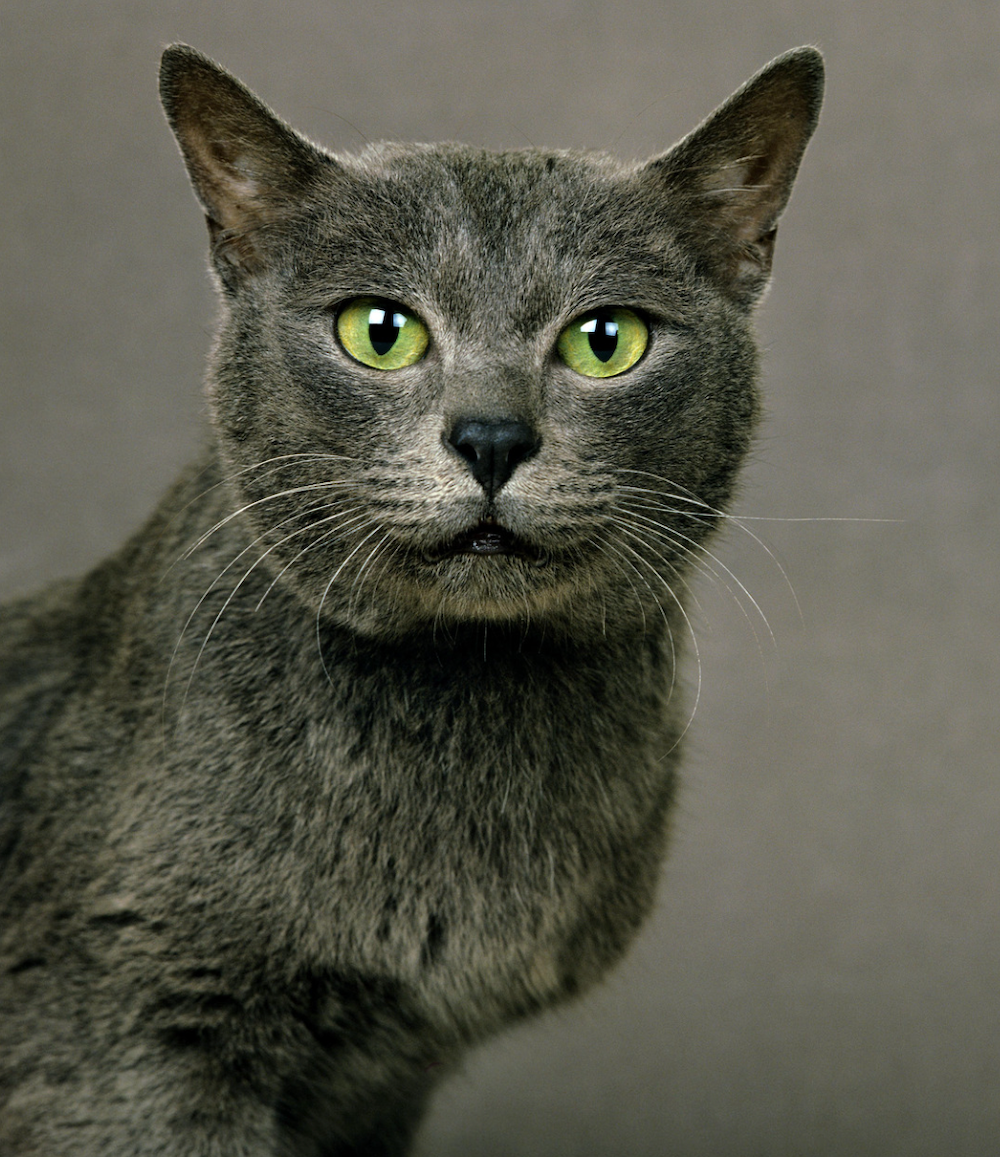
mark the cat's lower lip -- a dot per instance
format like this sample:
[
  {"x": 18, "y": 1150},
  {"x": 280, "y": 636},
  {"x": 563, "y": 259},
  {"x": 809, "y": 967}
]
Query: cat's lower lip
[{"x": 488, "y": 537}]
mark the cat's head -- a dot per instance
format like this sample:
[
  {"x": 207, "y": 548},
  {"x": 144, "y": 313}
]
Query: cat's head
[{"x": 460, "y": 384}]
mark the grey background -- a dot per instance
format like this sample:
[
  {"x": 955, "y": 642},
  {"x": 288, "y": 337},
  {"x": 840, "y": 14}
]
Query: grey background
[{"x": 821, "y": 975}]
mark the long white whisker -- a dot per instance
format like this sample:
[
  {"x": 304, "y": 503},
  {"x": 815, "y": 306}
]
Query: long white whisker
[
  {"x": 312, "y": 545},
  {"x": 313, "y": 486},
  {"x": 657, "y": 501},
  {"x": 214, "y": 583},
  {"x": 609, "y": 547},
  {"x": 299, "y": 458},
  {"x": 694, "y": 644},
  {"x": 232, "y": 594},
  {"x": 666, "y": 619},
  {"x": 750, "y": 623},
  {"x": 738, "y": 521},
  {"x": 326, "y": 591},
  {"x": 622, "y": 517},
  {"x": 355, "y": 586},
  {"x": 699, "y": 552},
  {"x": 693, "y": 498}
]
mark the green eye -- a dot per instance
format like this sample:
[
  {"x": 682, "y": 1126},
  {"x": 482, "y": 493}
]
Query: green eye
[
  {"x": 604, "y": 342},
  {"x": 382, "y": 334}
]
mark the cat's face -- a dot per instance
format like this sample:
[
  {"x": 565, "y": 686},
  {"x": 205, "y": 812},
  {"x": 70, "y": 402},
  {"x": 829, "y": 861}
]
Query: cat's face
[
  {"x": 491, "y": 258},
  {"x": 457, "y": 384}
]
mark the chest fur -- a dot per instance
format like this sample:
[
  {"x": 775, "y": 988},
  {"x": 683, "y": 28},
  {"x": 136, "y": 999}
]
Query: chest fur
[{"x": 482, "y": 827}]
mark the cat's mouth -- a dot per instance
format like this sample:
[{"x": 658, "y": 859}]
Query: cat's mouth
[{"x": 488, "y": 537}]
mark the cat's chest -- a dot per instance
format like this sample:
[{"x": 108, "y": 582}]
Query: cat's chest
[
  {"x": 484, "y": 835},
  {"x": 486, "y": 868},
  {"x": 458, "y": 861}
]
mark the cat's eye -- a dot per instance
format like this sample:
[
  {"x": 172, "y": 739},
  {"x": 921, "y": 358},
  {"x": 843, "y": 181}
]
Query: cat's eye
[
  {"x": 604, "y": 342},
  {"x": 382, "y": 334}
]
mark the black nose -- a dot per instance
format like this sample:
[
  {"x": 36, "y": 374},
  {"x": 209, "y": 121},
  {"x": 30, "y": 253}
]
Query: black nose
[{"x": 493, "y": 449}]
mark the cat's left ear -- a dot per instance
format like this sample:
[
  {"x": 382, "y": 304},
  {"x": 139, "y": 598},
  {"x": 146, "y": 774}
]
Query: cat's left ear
[
  {"x": 248, "y": 168},
  {"x": 731, "y": 178}
]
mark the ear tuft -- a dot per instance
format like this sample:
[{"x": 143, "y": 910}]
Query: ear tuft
[
  {"x": 733, "y": 175},
  {"x": 246, "y": 165}
]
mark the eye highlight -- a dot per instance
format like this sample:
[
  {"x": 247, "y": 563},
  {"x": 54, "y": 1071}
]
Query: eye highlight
[
  {"x": 603, "y": 343},
  {"x": 382, "y": 334}
]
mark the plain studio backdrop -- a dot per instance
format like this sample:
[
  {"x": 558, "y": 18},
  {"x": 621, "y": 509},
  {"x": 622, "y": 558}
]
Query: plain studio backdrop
[{"x": 822, "y": 973}]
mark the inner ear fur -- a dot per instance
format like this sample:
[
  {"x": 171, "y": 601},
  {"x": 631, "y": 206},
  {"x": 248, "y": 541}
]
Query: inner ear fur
[
  {"x": 246, "y": 165},
  {"x": 733, "y": 175}
]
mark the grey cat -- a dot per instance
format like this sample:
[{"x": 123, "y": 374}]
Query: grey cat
[{"x": 364, "y": 746}]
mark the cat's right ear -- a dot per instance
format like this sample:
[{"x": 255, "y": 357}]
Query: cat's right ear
[
  {"x": 248, "y": 167},
  {"x": 729, "y": 181}
]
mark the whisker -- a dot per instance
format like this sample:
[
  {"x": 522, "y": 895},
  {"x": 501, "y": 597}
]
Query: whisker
[
  {"x": 738, "y": 521},
  {"x": 299, "y": 458},
  {"x": 664, "y": 533},
  {"x": 232, "y": 594},
  {"x": 355, "y": 586},
  {"x": 306, "y": 549},
  {"x": 642, "y": 610},
  {"x": 315, "y": 456},
  {"x": 698, "y": 552},
  {"x": 211, "y": 588},
  {"x": 322, "y": 601},
  {"x": 666, "y": 621},
  {"x": 753, "y": 630},
  {"x": 689, "y": 496},
  {"x": 694, "y": 646},
  {"x": 656, "y": 500},
  {"x": 313, "y": 486},
  {"x": 735, "y": 189}
]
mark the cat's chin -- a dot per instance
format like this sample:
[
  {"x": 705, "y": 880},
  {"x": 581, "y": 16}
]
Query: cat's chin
[{"x": 481, "y": 576}]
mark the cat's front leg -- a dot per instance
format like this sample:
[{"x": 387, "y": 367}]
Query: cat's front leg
[
  {"x": 130, "y": 1105},
  {"x": 163, "y": 1111}
]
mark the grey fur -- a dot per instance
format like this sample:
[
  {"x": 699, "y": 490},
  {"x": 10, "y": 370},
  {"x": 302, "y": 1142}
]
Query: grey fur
[{"x": 296, "y": 808}]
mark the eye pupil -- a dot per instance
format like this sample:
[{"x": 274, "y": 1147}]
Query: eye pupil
[
  {"x": 602, "y": 333},
  {"x": 383, "y": 329}
]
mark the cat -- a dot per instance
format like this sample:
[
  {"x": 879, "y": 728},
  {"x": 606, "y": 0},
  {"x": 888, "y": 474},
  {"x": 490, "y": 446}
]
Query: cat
[{"x": 364, "y": 746}]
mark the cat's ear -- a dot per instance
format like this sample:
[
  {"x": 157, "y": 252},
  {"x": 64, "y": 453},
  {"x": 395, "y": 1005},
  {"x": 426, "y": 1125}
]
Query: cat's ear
[
  {"x": 248, "y": 167},
  {"x": 731, "y": 178}
]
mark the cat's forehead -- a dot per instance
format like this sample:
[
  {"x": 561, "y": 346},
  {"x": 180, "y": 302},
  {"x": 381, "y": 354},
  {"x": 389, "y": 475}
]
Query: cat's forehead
[
  {"x": 471, "y": 174},
  {"x": 534, "y": 231}
]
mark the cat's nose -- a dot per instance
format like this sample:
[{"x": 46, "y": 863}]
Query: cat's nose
[{"x": 493, "y": 449}]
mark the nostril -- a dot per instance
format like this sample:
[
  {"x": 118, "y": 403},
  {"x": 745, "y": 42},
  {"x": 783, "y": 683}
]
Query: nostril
[
  {"x": 519, "y": 451},
  {"x": 468, "y": 442},
  {"x": 493, "y": 449}
]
